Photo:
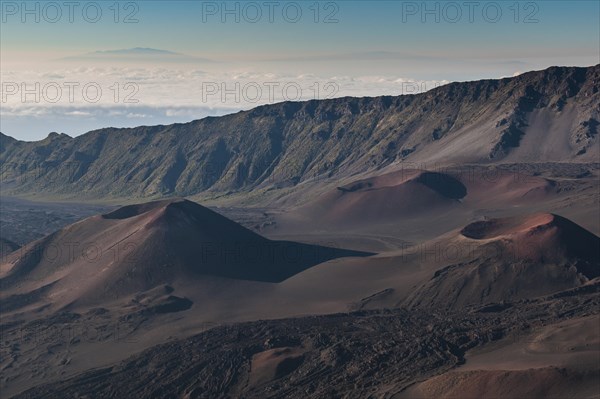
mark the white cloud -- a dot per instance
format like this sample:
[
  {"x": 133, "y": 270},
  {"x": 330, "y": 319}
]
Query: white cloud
[
  {"x": 237, "y": 89},
  {"x": 162, "y": 95},
  {"x": 78, "y": 113}
]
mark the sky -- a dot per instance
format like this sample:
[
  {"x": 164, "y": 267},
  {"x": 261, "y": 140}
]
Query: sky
[{"x": 71, "y": 67}]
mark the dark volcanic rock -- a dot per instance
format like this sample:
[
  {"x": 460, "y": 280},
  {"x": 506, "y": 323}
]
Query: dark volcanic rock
[
  {"x": 287, "y": 143},
  {"x": 362, "y": 354}
]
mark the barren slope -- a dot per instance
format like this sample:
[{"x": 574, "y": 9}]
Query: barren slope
[
  {"x": 138, "y": 247},
  {"x": 549, "y": 115}
]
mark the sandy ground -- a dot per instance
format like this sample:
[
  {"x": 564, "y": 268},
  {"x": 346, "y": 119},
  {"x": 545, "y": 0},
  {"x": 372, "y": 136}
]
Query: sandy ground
[
  {"x": 68, "y": 314},
  {"x": 557, "y": 361}
]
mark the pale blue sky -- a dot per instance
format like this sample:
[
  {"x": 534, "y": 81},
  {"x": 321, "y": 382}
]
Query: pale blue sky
[{"x": 350, "y": 39}]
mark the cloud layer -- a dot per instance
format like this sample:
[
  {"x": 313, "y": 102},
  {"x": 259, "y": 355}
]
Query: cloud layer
[{"x": 128, "y": 95}]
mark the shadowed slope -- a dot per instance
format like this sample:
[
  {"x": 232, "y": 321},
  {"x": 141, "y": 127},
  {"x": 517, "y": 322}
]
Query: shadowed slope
[
  {"x": 548, "y": 115},
  {"x": 542, "y": 237},
  {"x": 382, "y": 198},
  {"x": 6, "y": 247},
  {"x": 411, "y": 193},
  {"x": 138, "y": 247},
  {"x": 512, "y": 258}
]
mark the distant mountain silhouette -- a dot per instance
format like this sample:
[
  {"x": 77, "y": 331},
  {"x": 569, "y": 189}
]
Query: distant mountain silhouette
[{"x": 137, "y": 53}]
